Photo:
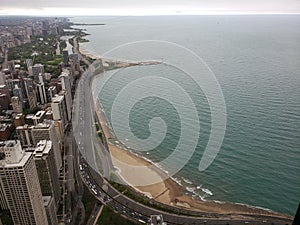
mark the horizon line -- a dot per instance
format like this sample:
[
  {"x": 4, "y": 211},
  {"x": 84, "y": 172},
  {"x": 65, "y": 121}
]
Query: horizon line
[
  {"x": 65, "y": 12},
  {"x": 141, "y": 15}
]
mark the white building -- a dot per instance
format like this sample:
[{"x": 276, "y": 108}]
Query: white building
[
  {"x": 20, "y": 185},
  {"x": 59, "y": 109}
]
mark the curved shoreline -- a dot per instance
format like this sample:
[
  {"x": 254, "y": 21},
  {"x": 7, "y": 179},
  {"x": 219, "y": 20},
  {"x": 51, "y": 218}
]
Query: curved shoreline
[{"x": 169, "y": 191}]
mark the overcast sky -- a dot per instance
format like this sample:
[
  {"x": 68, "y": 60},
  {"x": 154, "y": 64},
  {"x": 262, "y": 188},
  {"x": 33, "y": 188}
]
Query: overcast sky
[{"x": 146, "y": 7}]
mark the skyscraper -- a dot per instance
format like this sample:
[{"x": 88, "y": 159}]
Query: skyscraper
[
  {"x": 66, "y": 56},
  {"x": 4, "y": 97},
  {"x": 41, "y": 93},
  {"x": 17, "y": 91},
  {"x": 47, "y": 170},
  {"x": 36, "y": 70},
  {"x": 50, "y": 210},
  {"x": 31, "y": 135},
  {"x": 46, "y": 131},
  {"x": 66, "y": 87},
  {"x": 20, "y": 185},
  {"x": 59, "y": 109}
]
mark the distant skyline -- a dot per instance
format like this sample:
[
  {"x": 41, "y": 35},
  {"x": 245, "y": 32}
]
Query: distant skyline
[{"x": 143, "y": 7}]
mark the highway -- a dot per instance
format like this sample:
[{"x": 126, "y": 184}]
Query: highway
[{"x": 95, "y": 164}]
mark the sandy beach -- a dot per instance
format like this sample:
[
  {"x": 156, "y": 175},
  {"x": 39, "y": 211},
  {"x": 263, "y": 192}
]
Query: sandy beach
[
  {"x": 135, "y": 170},
  {"x": 83, "y": 51}
]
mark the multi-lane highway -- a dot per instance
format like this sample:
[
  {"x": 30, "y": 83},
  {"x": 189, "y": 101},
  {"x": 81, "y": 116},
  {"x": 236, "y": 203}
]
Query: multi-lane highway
[
  {"x": 84, "y": 130},
  {"x": 95, "y": 164}
]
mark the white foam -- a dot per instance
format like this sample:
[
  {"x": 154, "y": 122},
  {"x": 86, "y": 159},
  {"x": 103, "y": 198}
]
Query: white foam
[
  {"x": 207, "y": 191},
  {"x": 187, "y": 181}
]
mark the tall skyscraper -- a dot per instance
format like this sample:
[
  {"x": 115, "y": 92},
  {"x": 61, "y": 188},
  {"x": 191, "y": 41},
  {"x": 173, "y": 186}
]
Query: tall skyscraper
[
  {"x": 51, "y": 92},
  {"x": 31, "y": 98},
  {"x": 59, "y": 109},
  {"x": 36, "y": 70},
  {"x": 31, "y": 135},
  {"x": 50, "y": 210},
  {"x": 66, "y": 56},
  {"x": 66, "y": 87},
  {"x": 20, "y": 185},
  {"x": 41, "y": 93},
  {"x": 46, "y": 131},
  {"x": 4, "y": 97},
  {"x": 47, "y": 170},
  {"x": 17, "y": 91}
]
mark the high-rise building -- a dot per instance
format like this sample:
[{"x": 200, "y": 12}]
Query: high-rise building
[
  {"x": 36, "y": 70},
  {"x": 66, "y": 87},
  {"x": 41, "y": 93},
  {"x": 47, "y": 171},
  {"x": 31, "y": 135},
  {"x": 74, "y": 61},
  {"x": 17, "y": 91},
  {"x": 39, "y": 117},
  {"x": 59, "y": 109},
  {"x": 20, "y": 185},
  {"x": 51, "y": 92},
  {"x": 16, "y": 104},
  {"x": 66, "y": 56},
  {"x": 24, "y": 134},
  {"x": 50, "y": 210},
  {"x": 4, "y": 97},
  {"x": 46, "y": 131},
  {"x": 31, "y": 98}
]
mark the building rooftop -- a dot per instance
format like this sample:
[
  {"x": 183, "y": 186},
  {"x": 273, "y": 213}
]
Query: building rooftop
[
  {"x": 29, "y": 116},
  {"x": 42, "y": 147},
  {"x": 21, "y": 163},
  {"x": 57, "y": 98},
  {"x": 46, "y": 200},
  {"x": 10, "y": 143},
  {"x": 38, "y": 115}
]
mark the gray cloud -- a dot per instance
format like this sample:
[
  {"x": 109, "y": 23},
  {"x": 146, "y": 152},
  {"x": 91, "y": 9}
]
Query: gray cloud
[{"x": 254, "y": 5}]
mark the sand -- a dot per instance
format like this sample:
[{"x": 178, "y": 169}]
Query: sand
[{"x": 83, "y": 51}]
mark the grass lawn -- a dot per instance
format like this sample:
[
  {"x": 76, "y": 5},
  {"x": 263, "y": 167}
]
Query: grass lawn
[{"x": 109, "y": 217}]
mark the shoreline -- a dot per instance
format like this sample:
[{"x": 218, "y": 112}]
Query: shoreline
[{"x": 169, "y": 191}]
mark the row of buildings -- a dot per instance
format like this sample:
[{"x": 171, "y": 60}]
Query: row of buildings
[
  {"x": 22, "y": 91},
  {"x": 35, "y": 112}
]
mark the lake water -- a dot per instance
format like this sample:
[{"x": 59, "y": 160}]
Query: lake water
[{"x": 256, "y": 60}]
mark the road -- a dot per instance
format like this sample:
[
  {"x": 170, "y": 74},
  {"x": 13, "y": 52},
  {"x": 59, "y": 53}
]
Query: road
[{"x": 95, "y": 164}]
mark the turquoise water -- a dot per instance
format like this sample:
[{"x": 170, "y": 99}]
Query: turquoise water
[{"x": 256, "y": 60}]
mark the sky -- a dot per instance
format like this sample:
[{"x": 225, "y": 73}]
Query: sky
[{"x": 147, "y": 7}]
